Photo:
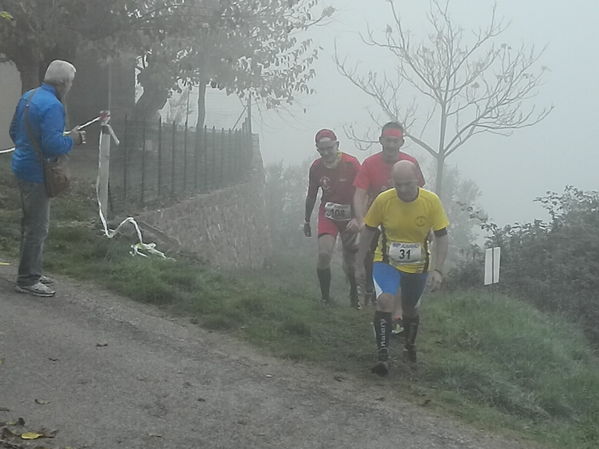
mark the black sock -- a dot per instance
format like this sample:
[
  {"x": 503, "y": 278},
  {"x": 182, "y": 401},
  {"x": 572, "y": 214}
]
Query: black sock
[
  {"x": 382, "y": 329},
  {"x": 353, "y": 286},
  {"x": 324, "y": 279}
]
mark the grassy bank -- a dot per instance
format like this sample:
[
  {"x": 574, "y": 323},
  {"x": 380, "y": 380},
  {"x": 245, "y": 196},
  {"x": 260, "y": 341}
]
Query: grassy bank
[{"x": 492, "y": 361}]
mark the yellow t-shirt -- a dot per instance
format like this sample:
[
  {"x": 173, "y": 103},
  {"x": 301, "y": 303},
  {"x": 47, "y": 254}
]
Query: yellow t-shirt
[{"x": 405, "y": 227}]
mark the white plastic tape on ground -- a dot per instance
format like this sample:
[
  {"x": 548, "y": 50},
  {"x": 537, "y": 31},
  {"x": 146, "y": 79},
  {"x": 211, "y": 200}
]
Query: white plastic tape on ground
[
  {"x": 7, "y": 150},
  {"x": 138, "y": 249}
]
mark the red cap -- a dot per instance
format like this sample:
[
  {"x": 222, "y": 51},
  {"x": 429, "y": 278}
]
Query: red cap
[{"x": 325, "y": 135}]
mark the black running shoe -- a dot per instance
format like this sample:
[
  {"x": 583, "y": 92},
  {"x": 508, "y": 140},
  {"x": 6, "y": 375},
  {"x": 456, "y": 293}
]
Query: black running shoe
[
  {"x": 382, "y": 366},
  {"x": 381, "y": 369}
]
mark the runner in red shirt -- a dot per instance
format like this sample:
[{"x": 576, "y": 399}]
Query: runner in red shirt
[
  {"x": 373, "y": 178},
  {"x": 334, "y": 174}
]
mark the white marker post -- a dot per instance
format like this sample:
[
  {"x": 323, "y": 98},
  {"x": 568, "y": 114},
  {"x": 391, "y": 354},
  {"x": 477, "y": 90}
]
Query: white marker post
[
  {"x": 492, "y": 258},
  {"x": 104, "y": 164},
  {"x": 104, "y": 161}
]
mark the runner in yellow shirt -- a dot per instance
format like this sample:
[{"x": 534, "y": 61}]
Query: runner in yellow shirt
[{"x": 402, "y": 260}]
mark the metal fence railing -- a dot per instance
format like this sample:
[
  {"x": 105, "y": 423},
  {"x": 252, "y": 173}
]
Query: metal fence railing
[{"x": 160, "y": 162}]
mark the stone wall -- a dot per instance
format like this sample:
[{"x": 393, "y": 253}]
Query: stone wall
[{"x": 227, "y": 228}]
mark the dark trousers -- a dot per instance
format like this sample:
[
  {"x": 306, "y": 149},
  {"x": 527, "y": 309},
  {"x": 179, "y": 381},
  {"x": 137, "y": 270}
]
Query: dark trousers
[{"x": 35, "y": 205}]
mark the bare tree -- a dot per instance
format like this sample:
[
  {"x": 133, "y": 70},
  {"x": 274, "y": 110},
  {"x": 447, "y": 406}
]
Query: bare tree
[{"x": 471, "y": 85}]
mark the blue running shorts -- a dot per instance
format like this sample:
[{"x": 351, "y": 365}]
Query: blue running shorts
[{"x": 388, "y": 279}]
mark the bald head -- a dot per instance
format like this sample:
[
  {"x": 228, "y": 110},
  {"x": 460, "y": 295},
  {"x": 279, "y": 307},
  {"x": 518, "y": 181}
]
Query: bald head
[
  {"x": 405, "y": 178},
  {"x": 404, "y": 171}
]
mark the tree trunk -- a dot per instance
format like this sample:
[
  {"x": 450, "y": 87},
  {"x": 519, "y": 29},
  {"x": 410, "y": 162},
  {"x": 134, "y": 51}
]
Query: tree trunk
[
  {"x": 441, "y": 152},
  {"x": 201, "y": 104},
  {"x": 29, "y": 70},
  {"x": 439, "y": 176}
]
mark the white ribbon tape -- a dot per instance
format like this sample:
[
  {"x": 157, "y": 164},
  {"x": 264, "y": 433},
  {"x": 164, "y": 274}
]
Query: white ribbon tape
[{"x": 140, "y": 248}]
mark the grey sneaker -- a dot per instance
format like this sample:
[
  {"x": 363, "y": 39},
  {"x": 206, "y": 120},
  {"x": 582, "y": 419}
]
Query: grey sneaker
[
  {"x": 46, "y": 280},
  {"x": 37, "y": 289},
  {"x": 326, "y": 302}
]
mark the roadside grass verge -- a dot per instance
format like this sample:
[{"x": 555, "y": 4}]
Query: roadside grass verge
[{"x": 493, "y": 361}]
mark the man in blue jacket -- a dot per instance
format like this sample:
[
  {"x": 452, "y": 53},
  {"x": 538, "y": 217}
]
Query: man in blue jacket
[{"x": 46, "y": 118}]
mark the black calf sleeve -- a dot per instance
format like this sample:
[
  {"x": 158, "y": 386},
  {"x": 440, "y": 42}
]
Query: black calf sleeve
[
  {"x": 411, "y": 326},
  {"x": 382, "y": 329}
]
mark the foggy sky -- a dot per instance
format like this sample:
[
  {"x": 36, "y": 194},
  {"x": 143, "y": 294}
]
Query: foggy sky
[{"x": 510, "y": 171}]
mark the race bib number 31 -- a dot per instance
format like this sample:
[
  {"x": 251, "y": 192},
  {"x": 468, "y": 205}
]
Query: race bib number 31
[
  {"x": 405, "y": 253},
  {"x": 339, "y": 212}
]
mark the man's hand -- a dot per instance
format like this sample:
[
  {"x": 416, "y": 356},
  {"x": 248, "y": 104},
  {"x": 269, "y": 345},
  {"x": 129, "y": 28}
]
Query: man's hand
[
  {"x": 77, "y": 135},
  {"x": 436, "y": 279},
  {"x": 307, "y": 229},
  {"x": 354, "y": 225}
]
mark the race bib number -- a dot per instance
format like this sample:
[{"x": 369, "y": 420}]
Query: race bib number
[
  {"x": 338, "y": 212},
  {"x": 405, "y": 253}
]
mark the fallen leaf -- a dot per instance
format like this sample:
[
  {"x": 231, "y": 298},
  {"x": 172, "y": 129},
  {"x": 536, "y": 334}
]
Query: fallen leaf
[
  {"x": 4, "y": 409},
  {"x": 269, "y": 376},
  {"x": 101, "y": 344},
  {"x": 155, "y": 435},
  {"x": 52, "y": 359},
  {"x": 382, "y": 398},
  {"x": 201, "y": 400},
  {"x": 426, "y": 402},
  {"x": 31, "y": 435},
  {"x": 41, "y": 402},
  {"x": 339, "y": 378}
]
